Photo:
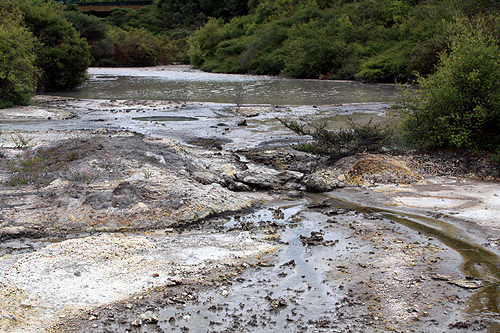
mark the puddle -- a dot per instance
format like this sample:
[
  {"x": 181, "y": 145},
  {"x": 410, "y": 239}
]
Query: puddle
[
  {"x": 257, "y": 301},
  {"x": 25, "y": 245},
  {"x": 478, "y": 262},
  {"x": 165, "y": 118}
]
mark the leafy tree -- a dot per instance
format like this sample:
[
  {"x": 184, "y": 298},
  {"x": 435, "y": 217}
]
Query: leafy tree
[
  {"x": 203, "y": 42},
  {"x": 17, "y": 61},
  {"x": 459, "y": 105},
  {"x": 92, "y": 28},
  {"x": 62, "y": 56}
]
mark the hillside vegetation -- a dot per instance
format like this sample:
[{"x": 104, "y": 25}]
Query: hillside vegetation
[
  {"x": 371, "y": 40},
  {"x": 377, "y": 40}
]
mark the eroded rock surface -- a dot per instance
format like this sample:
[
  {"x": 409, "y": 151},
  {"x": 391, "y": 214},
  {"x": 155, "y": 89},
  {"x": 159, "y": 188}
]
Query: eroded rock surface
[
  {"x": 113, "y": 181},
  {"x": 39, "y": 288}
]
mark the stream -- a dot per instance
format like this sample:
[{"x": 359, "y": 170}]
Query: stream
[
  {"x": 183, "y": 83},
  {"x": 295, "y": 291}
]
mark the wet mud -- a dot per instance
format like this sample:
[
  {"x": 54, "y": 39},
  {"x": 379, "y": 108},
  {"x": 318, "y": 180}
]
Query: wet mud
[{"x": 339, "y": 268}]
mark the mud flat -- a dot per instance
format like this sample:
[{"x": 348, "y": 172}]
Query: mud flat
[{"x": 108, "y": 229}]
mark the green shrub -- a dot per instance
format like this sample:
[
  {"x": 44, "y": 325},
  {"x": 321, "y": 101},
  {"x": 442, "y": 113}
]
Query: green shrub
[
  {"x": 18, "y": 73},
  {"x": 459, "y": 105},
  {"x": 348, "y": 141},
  {"x": 63, "y": 56},
  {"x": 203, "y": 43}
]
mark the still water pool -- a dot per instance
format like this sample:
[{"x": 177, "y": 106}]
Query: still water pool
[{"x": 186, "y": 84}]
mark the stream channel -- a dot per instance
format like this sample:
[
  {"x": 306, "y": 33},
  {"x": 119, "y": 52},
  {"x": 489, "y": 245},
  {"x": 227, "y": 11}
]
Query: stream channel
[{"x": 302, "y": 277}]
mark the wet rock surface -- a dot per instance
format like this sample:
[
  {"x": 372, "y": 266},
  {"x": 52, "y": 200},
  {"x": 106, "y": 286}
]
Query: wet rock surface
[
  {"x": 110, "y": 230},
  {"x": 378, "y": 277}
]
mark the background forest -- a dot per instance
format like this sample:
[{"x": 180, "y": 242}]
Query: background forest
[
  {"x": 371, "y": 40},
  {"x": 450, "y": 47}
]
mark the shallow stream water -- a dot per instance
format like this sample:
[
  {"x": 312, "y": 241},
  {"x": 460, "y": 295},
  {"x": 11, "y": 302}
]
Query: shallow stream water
[
  {"x": 295, "y": 294},
  {"x": 186, "y": 84}
]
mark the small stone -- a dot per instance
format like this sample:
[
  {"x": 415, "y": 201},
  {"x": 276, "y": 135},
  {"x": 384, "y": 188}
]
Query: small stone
[
  {"x": 169, "y": 231},
  {"x": 155, "y": 275},
  {"x": 278, "y": 303},
  {"x": 148, "y": 317},
  {"x": 26, "y": 304}
]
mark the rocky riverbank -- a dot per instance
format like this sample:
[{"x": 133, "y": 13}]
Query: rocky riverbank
[{"x": 107, "y": 229}]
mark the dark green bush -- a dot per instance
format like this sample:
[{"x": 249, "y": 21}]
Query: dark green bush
[
  {"x": 18, "y": 73},
  {"x": 63, "y": 56},
  {"x": 38, "y": 49},
  {"x": 459, "y": 105}
]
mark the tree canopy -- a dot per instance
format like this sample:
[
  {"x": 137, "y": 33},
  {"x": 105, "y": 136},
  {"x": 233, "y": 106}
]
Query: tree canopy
[
  {"x": 18, "y": 72},
  {"x": 39, "y": 50}
]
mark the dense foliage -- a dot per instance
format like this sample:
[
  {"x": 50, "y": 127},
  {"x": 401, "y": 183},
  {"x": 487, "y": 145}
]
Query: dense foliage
[
  {"x": 63, "y": 56},
  {"x": 39, "y": 50},
  {"x": 17, "y": 61},
  {"x": 124, "y": 41},
  {"x": 379, "y": 40},
  {"x": 459, "y": 105}
]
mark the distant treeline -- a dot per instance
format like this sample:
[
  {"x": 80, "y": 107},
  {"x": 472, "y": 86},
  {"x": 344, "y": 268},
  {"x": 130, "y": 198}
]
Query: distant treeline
[
  {"x": 106, "y": 2},
  {"x": 374, "y": 40}
]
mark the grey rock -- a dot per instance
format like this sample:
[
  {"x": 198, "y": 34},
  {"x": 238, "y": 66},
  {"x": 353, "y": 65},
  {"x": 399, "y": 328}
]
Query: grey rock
[
  {"x": 265, "y": 178},
  {"x": 148, "y": 317}
]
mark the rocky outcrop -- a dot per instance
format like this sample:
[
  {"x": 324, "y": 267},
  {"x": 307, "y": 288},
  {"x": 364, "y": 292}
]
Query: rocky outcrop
[
  {"x": 370, "y": 169},
  {"x": 324, "y": 180},
  {"x": 270, "y": 179},
  {"x": 108, "y": 181}
]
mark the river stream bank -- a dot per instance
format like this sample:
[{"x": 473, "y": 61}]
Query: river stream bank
[{"x": 209, "y": 223}]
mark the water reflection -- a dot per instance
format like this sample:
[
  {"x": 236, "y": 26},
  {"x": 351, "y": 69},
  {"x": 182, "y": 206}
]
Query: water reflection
[{"x": 106, "y": 83}]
